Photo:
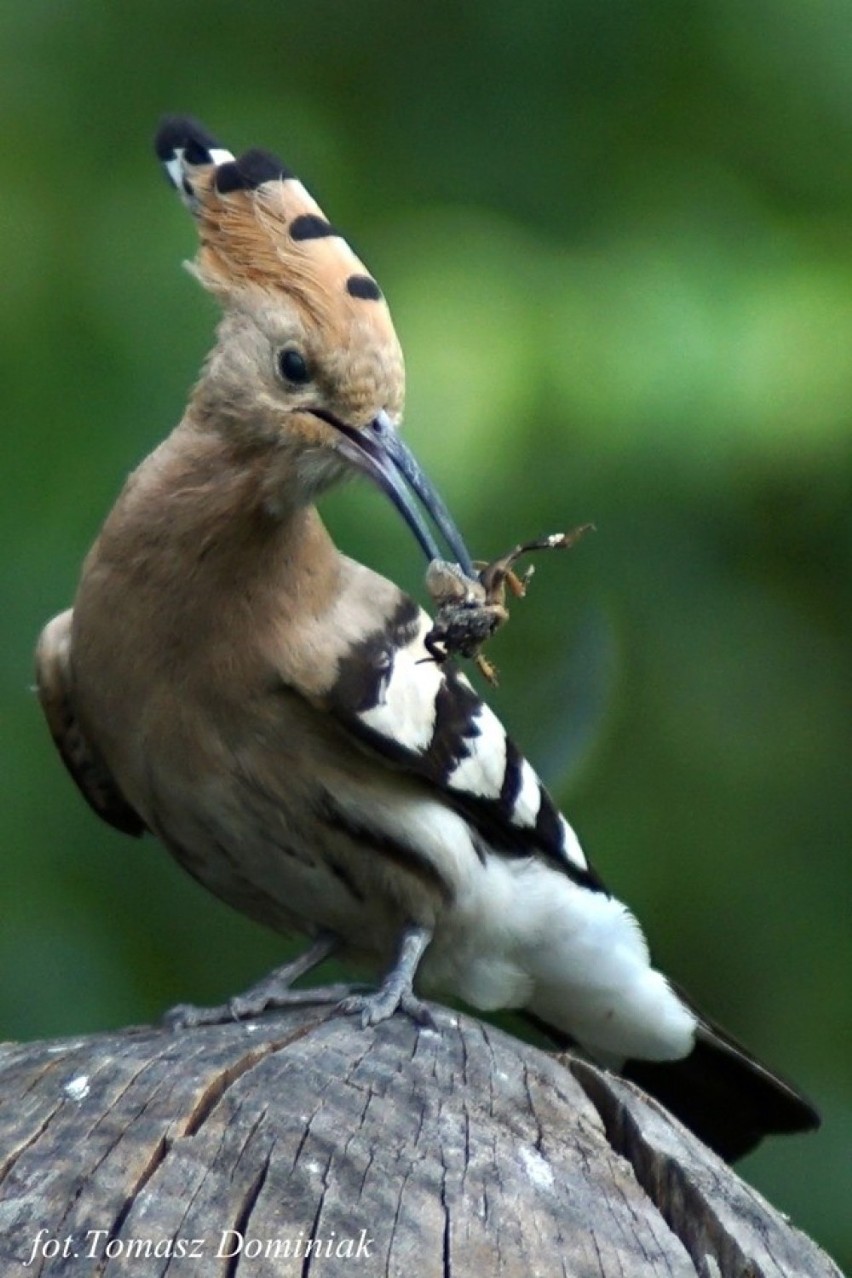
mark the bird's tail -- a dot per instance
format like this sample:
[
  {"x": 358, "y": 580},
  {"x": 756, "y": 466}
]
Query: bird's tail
[{"x": 722, "y": 1093}]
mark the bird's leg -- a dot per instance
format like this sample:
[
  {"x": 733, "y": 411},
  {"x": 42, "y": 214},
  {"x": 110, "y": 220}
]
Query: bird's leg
[
  {"x": 273, "y": 991},
  {"x": 397, "y": 989}
]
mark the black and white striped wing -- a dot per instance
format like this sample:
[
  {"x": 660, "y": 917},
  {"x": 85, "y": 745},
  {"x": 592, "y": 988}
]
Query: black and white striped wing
[{"x": 426, "y": 719}]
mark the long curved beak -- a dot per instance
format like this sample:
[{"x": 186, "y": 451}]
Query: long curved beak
[{"x": 378, "y": 451}]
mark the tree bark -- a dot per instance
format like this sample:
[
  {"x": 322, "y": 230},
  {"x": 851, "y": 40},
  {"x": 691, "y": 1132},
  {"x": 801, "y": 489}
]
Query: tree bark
[{"x": 464, "y": 1153}]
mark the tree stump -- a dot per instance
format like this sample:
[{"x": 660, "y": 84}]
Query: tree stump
[{"x": 300, "y": 1144}]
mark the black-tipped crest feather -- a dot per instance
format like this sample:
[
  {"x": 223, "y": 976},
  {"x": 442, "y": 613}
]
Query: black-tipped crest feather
[
  {"x": 249, "y": 171},
  {"x": 183, "y": 132}
]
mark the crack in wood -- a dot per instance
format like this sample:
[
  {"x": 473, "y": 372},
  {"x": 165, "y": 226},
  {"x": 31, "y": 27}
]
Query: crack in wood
[
  {"x": 8, "y": 1165},
  {"x": 446, "y": 1240},
  {"x": 725, "y": 1227},
  {"x": 593, "y": 1084},
  {"x": 395, "y": 1222},
  {"x": 158, "y": 1156},
  {"x": 307, "y": 1263},
  {"x": 243, "y": 1217},
  {"x": 539, "y": 1133},
  {"x": 222, "y": 1082}
]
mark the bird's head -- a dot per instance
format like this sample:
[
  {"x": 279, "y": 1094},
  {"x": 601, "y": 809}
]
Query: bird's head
[{"x": 307, "y": 360}]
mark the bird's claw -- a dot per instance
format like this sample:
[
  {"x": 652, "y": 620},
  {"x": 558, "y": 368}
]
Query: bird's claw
[
  {"x": 381, "y": 1005},
  {"x": 244, "y": 1007}
]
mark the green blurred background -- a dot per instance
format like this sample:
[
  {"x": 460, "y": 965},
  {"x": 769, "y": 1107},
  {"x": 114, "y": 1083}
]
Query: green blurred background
[{"x": 617, "y": 240}]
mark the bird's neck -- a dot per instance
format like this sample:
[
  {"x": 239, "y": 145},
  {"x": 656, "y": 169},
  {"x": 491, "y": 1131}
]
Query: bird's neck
[{"x": 198, "y": 510}]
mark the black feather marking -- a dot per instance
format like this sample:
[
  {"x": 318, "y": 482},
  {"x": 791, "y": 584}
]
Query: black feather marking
[
  {"x": 249, "y": 171},
  {"x": 363, "y": 674},
  {"x": 309, "y": 226},
  {"x": 365, "y": 287},
  {"x": 549, "y": 836},
  {"x": 387, "y": 747},
  {"x": 511, "y": 786},
  {"x": 456, "y": 707},
  {"x": 404, "y": 855},
  {"x": 182, "y": 132},
  {"x": 548, "y": 827},
  {"x": 405, "y": 622}
]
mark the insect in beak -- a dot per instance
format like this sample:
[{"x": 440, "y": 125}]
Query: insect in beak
[{"x": 378, "y": 451}]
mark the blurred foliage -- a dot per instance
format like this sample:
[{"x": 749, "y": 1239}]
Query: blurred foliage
[{"x": 616, "y": 239}]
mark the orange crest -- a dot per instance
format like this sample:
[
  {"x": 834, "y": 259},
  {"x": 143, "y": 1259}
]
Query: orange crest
[{"x": 258, "y": 226}]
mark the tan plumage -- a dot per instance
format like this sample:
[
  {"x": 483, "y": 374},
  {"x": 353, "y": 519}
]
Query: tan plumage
[{"x": 268, "y": 708}]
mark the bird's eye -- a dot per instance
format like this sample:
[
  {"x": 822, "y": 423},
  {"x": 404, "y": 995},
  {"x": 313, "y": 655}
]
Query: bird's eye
[{"x": 292, "y": 367}]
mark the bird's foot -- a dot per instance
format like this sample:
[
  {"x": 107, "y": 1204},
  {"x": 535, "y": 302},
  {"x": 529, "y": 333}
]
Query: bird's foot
[
  {"x": 396, "y": 992},
  {"x": 274, "y": 991},
  {"x": 383, "y": 1003},
  {"x": 245, "y": 1006}
]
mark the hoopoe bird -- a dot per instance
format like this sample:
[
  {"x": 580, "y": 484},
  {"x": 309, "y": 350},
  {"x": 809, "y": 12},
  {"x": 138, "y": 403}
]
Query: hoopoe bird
[{"x": 267, "y": 708}]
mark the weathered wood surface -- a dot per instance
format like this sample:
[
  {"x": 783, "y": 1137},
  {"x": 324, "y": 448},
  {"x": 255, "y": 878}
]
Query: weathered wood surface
[{"x": 454, "y": 1154}]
